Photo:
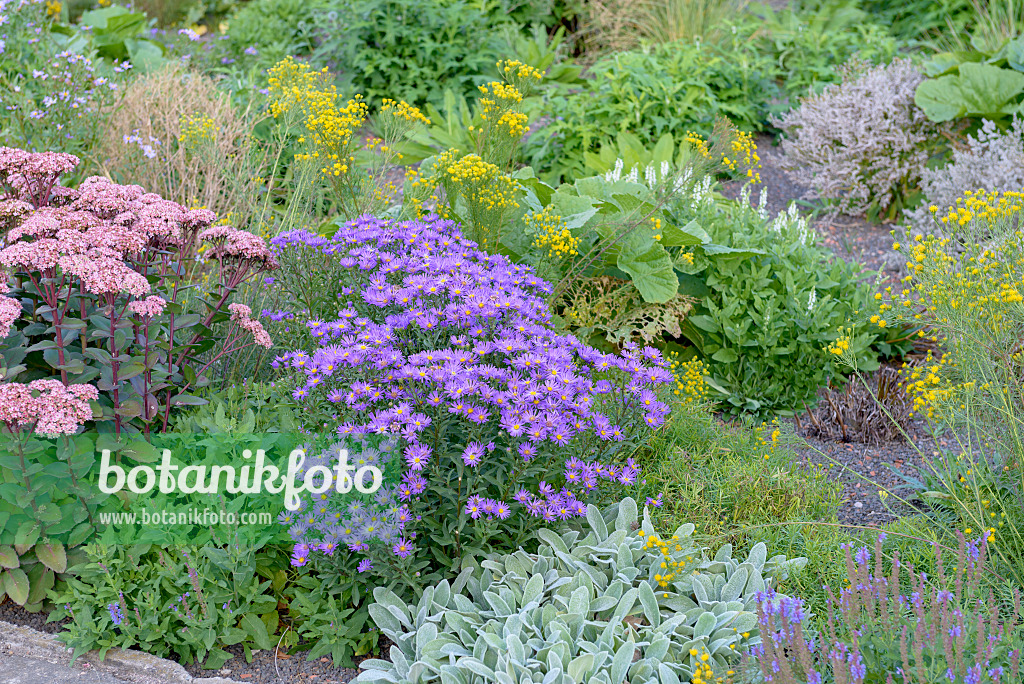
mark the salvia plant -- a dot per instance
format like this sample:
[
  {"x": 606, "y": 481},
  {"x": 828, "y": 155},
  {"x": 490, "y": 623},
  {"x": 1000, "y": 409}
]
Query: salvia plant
[
  {"x": 189, "y": 602},
  {"x": 608, "y": 603},
  {"x": 895, "y": 626},
  {"x": 450, "y": 351}
]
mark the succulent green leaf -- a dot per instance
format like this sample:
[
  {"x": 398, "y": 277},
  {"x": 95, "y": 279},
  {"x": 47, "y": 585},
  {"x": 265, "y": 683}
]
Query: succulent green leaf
[{"x": 51, "y": 554}]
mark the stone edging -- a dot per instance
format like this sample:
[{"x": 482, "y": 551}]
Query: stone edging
[{"x": 132, "y": 666}]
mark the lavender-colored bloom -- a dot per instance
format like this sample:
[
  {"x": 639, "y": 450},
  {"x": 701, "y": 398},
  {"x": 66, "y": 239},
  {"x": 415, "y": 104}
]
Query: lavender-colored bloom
[{"x": 116, "y": 616}]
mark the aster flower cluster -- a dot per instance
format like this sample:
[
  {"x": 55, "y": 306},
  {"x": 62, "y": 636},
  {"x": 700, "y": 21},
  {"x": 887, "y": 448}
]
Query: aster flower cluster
[
  {"x": 450, "y": 349},
  {"x": 46, "y": 405},
  {"x": 325, "y": 523}
]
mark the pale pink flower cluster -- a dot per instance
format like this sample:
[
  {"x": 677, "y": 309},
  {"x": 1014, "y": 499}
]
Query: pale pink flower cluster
[
  {"x": 10, "y": 311},
  {"x": 150, "y": 307},
  {"x": 101, "y": 271},
  {"x": 230, "y": 243},
  {"x": 12, "y": 211},
  {"x": 33, "y": 174},
  {"x": 53, "y": 408},
  {"x": 242, "y": 315}
]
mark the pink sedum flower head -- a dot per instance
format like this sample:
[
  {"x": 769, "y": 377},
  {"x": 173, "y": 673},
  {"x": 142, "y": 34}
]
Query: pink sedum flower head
[
  {"x": 242, "y": 314},
  {"x": 48, "y": 405},
  {"x": 10, "y": 311},
  {"x": 150, "y": 307}
]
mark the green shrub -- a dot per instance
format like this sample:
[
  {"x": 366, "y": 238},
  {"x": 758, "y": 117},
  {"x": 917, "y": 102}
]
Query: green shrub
[
  {"x": 808, "y": 44},
  {"x": 667, "y": 89},
  {"x": 410, "y": 50},
  {"x": 187, "y": 602},
  {"x": 276, "y": 28},
  {"x": 773, "y": 299},
  {"x": 612, "y": 603}
]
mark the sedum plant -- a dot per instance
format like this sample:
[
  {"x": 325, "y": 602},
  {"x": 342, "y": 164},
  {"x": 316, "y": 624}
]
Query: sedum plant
[{"x": 606, "y": 604}]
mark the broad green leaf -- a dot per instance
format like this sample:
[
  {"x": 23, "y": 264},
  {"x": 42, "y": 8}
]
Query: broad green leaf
[
  {"x": 15, "y": 583},
  {"x": 940, "y": 98},
  {"x": 652, "y": 273},
  {"x": 257, "y": 631},
  {"x": 688, "y": 235},
  {"x": 8, "y": 558},
  {"x": 51, "y": 554}
]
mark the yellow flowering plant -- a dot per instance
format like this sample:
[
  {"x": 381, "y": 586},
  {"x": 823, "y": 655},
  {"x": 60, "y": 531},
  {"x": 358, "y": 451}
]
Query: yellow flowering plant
[
  {"x": 964, "y": 288},
  {"x": 493, "y": 128},
  {"x": 353, "y": 166}
]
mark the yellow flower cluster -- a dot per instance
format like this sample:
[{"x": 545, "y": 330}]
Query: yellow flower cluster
[
  {"x": 483, "y": 183},
  {"x": 841, "y": 345},
  {"x": 553, "y": 234},
  {"x": 698, "y": 143},
  {"x": 403, "y": 110},
  {"x": 515, "y": 124},
  {"x": 743, "y": 154},
  {"x": 669, "y": 563},
  {"x": 656, "y": 227},
  {"x": 988, "y": 206},
  {"x": 197, "y": 130},
  {"x": 470, "y": 169},
  {"x": 689, "y": 376},
  {"x": 288, "y": 81},
  {"x": 498, "y": 106},
  {"x": 928, "y": 387},
  {"x": 772, "y": 441},
  {"x": 53, "y": 8},
  {"x": 505, "y": 93},
  {"x": 515, "y": 72},
  {"x": 331, "y": 127}
]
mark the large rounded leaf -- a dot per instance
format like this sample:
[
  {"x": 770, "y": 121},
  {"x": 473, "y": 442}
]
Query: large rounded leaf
[{"x": 652, "y": 273}]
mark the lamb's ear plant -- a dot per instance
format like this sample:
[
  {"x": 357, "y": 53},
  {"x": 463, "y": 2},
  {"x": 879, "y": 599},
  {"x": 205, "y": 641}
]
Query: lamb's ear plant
[{"x": 607, "y": 603}]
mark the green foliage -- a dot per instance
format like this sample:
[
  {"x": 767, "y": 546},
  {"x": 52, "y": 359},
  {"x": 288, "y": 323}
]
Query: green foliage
[
  {"x": 187, "y": 602},
  {"x": 667, "y": 89},
  {"x": 974, "y": 84},
  {"x": 730, "y": 477},
  {"x": 610, "y": 603},
  {"x": 113, "y": 33},
  {"x": 776, "y": 300},
  {"x": 330, "y": 607},
  {"x": 276, "y": 28},
  {"x": 807, "y": 44},
  {"x": 48, "y": 508},
  {"x": 411, "y": 50}
]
